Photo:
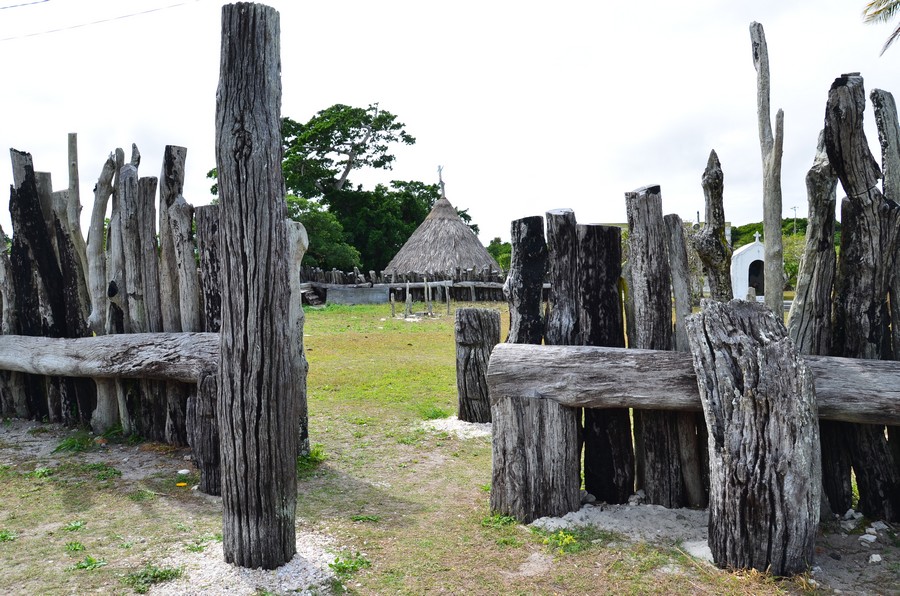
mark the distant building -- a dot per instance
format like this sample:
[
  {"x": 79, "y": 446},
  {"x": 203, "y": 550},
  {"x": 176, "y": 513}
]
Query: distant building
[{"x": 747, "y": 269}]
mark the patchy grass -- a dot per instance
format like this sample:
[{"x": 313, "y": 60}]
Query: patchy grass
[{"x": 408, "y": 508}]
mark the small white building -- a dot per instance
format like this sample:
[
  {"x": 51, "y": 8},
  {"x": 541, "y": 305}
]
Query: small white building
[{"x": 748, "y": 270}]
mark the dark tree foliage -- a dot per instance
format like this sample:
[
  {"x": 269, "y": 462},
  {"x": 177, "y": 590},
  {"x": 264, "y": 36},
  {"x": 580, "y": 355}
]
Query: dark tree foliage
[
  {"x": 501, "y": 252},
  {"x": 328, "y": 245}
]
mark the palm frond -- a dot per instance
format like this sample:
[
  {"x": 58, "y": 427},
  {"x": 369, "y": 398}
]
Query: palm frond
[
  {"x": 890, "y": 40},
  {"x": 881, "y": 11}
]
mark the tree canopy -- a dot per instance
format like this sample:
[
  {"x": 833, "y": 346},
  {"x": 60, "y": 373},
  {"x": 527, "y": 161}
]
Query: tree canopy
[{"x": 349, "y": 226}]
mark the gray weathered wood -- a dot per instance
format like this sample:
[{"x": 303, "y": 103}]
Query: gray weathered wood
[
  {"x": 528, "y": 479},
  {"x": 869, "y": 233},
  {"x": 171, "y": 185},
  {"x": 656, "y": 433},
  {"x": 163, "y": 356},
  {"x": 96, "y": 262},
  {"x": 73, "y": 216},
  {"x": 12, "y": 390},
  {"x": 561, "y": 328},
  {"x": 847, "y": 389},
  {"x": 477, "y": 331},
  {"x": 525, "y": 279},
  {"x": 257, "y": 405},
  {"x": 772, "y": 149},
  {"x": 690, "y": 425},
  {"x": 298, "y": 242},
  {"x": 760, "y": 408},
  {"x": 710, "y": 242},
  {"x": 149, "y": 252},
  {"x": 608, "y": 450},
  {"x": 181, "y": 219},
  {"x": 809, "y": 322}
]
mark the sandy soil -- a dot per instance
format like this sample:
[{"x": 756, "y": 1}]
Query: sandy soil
[{"x": 844, "y": 561}]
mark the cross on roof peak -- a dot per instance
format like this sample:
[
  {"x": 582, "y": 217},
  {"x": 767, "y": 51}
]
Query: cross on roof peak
[{"x": 756, "y": 236}]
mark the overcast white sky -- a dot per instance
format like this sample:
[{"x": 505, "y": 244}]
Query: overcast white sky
[{"x": 528, "y": 106}]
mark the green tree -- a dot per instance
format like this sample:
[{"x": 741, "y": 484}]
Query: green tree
[
  {"x": 501, "y": 251},
  {"x": 328, "y": 245},
  {"x": 320, "y": 154},
  {"x": 883, "y": 11}
]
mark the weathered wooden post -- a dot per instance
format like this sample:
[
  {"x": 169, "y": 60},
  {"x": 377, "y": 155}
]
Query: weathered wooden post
[
  {"x": 649, "y": 292},
  {"x": 870, "y": 225},
  {"x": 690, "y": 426},
  {"x": 771, "y": 149},
  {"x": 12, "y": 391},
  {"x": 710, "y": 242},
  {"x": 298, "y": 242},
  {"x": 531, "y": 478},
  {"x": 608, "y": 450},
  {"x": 760, "y": 408},
  {"x": 257, "y": 403},
  {"x": 477, "y": 331},
  {"x": 809, "y": 323}
]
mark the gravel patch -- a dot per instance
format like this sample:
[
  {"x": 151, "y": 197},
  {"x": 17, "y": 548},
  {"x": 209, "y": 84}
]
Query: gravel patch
[
  {"x": 463, "y": 430},
  {"x": 207, "y": 572}
]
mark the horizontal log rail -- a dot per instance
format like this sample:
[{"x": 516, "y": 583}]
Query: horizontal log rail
[
  {"x": 161, "y": 356},
  {"x": 848, "y": 389}
]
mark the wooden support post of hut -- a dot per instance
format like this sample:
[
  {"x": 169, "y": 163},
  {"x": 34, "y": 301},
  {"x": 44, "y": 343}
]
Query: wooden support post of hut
[
  {"x": 760, "y": 409},
  {"x": 608, "y": 450},
  {"x": 477, "y": 331},
  {"x": 257, "y": 410},
  {"x": 522, "y": 468}
]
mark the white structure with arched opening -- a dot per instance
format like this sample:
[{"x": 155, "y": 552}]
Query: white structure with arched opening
[{"x": 747, "y": 269}]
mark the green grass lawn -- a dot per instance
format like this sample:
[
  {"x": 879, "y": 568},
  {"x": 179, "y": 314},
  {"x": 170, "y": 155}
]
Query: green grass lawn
[{"x": 407, "y": 507}]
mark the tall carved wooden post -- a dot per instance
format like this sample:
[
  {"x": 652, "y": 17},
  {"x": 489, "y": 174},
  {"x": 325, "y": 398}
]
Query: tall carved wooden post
[
  {"x": 760, "y": 408},
  {"x": 257, "y": 405}
]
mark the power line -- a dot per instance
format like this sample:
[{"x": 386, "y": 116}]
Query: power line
[
  {"x": 23, "y": 4},
  {"x": 101, "y": 21}
]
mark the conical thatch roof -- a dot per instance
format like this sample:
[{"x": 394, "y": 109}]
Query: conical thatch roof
[{"x": 442, "y": 243}]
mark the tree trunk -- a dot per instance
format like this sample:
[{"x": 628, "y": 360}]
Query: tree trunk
[
  {"x": 760, "y": 408},
  {"x": 608, "y": 451},
  {"x": 524, "y": 282},
  {"x": 257, "y": 395},
  {"x": 659, "y": 468},
  {"x": 869, "y": 231},
  {"x": 710, "y": 242},
  {"x": 771, "y": 149},
  {"x": 477, "y": 331},
  {"x": 691, "y": 428},
  {"x": 532, "y": 477}
]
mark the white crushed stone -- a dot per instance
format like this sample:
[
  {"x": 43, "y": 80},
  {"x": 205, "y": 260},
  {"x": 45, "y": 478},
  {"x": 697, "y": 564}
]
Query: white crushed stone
[
  {"x": 652, "y": 523},
  {"x": 462, "y": 429},
  {"x": 207, "y": 573}
]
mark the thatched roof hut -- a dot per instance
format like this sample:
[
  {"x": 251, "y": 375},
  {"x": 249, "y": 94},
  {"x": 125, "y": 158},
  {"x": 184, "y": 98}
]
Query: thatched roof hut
[{"x": 442, "y": 243}]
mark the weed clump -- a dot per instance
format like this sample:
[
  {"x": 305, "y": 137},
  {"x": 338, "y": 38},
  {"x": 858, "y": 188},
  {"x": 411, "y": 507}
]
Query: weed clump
[{"x": 140, "y": 581}]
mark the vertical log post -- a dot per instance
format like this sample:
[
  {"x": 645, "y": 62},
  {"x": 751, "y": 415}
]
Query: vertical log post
[
  {"x": 298, "y": 242},
  {"x": 659, "y": 465},
  {"x": 760, "y": 407},
  {"x": 608, "y": 450},
  {"x": 691, "y": 428},
  {"x": 809, "y": 322},
  {"x": 869, "y": 231},
  {"x": 477, "y": 331},
  {"x": 202, "y": 426},
  {"x": 257, "y": 403},
  {"x": 771, "y": 148},
  {"x": 710, "y": 242},
  {"x": 12, "y": 390},
  {"x": 532, "y": 476}
]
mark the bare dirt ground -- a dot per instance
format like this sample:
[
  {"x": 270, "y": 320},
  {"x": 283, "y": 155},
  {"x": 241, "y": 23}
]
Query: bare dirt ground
[{"x": 853, "y": 556}]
